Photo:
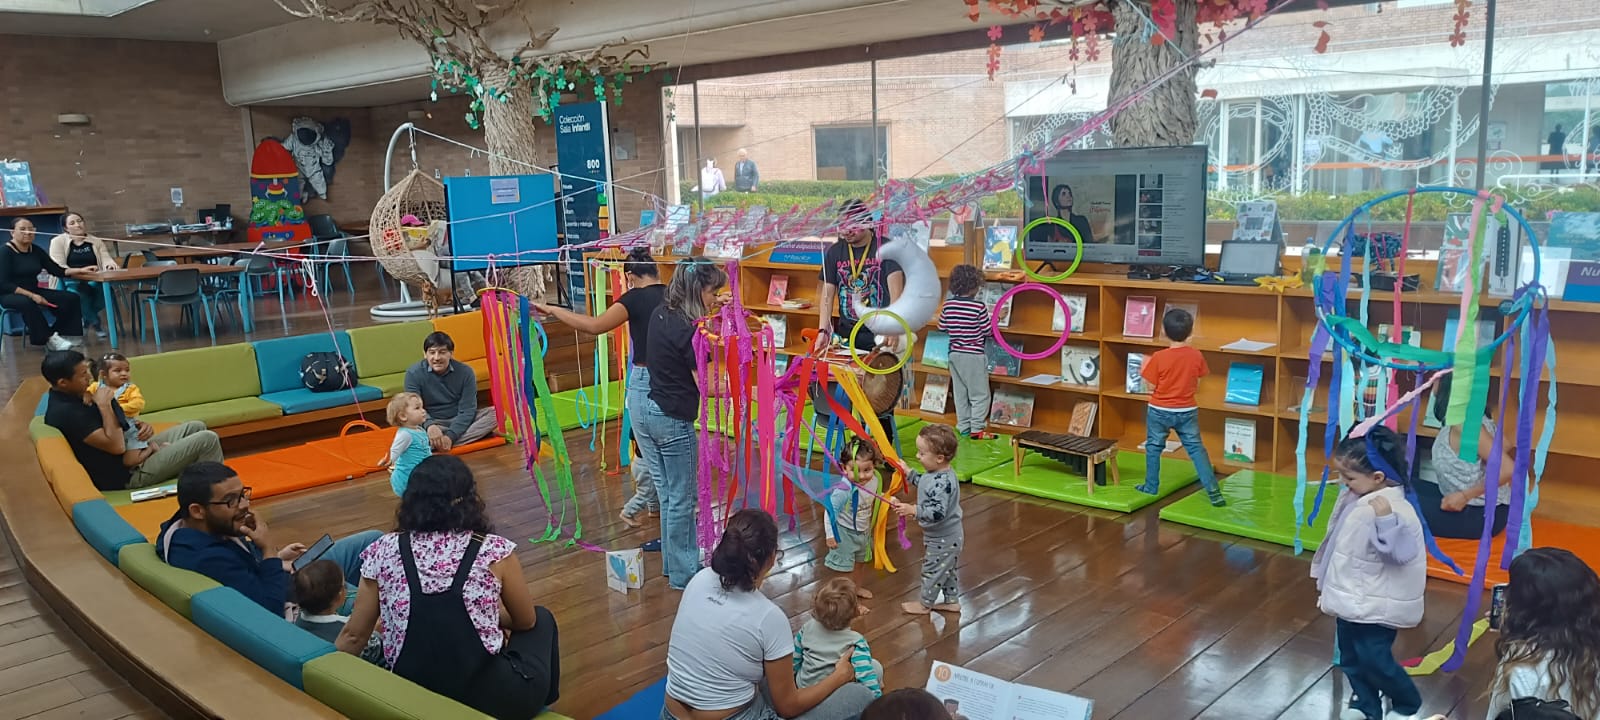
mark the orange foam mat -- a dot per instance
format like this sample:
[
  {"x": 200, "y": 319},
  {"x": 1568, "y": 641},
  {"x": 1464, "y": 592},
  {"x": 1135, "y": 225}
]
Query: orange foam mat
[
  {"x": 326, "y": 461},
  {"x": 1581, "y": 540}
]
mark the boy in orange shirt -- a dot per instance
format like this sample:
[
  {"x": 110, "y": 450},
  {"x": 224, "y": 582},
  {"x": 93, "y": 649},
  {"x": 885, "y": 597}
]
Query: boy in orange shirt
[{"x": 1174, "y": 374}]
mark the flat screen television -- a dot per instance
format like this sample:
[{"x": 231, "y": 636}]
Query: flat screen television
[{"x": 1134, "y": 206}]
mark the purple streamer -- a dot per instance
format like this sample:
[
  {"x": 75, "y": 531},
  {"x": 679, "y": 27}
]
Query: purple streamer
[{"x": 1537, "y": 337}]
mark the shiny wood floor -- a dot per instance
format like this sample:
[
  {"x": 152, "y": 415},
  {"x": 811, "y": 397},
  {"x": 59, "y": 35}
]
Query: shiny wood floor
[{"x": 1151, "y": 620}]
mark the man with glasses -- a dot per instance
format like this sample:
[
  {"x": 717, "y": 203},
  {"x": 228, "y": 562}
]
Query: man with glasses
[{"x": 214, "y": 533}]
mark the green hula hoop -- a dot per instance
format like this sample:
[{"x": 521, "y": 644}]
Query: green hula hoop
[
  {"x": 1022, "y": 242},
  {"x": 911, "y": 339}
]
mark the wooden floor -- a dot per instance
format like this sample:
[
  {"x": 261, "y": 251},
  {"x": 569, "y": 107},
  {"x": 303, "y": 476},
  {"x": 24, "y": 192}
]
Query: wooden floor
[{"x": 1151, "y": 620}]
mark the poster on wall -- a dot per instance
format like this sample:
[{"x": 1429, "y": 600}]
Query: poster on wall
[
  {"x": 16, "y": 185},
  {"x": 276, "y": 213},
  {"x": 583, "y": 149}
]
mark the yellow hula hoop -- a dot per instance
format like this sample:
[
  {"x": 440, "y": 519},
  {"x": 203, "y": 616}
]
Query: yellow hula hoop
[
  {"x": 911, "y": 339},
  {"x": 1022, "y": 241}
]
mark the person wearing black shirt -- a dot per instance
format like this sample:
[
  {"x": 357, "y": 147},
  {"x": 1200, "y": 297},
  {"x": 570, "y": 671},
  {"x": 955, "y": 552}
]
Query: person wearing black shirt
[
  {"x": 21, "y": 261},
  {"x": 665, "y": 425},
  {"x": 636, "y": 307},
  {"x": 1061, "y": 199},
  {"x": 117, "y": 453},
  {"x": 851, "y": 265}
]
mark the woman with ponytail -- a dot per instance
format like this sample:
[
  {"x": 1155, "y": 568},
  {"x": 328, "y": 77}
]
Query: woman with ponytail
[
  {"x": 731, "y": 656},
  {"x": 1371, "y": 572},
  {"x": 636, "y": 307},
  {"x": 664, "y": 426}
]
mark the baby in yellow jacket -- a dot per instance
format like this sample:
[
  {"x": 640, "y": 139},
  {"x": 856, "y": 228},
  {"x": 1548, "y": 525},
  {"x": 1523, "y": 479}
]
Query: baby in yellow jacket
[{"x": 115, "y": 372}]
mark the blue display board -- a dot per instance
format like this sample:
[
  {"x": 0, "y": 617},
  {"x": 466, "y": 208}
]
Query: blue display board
[
  {"x": 501, "y": 215},
  {"x": 583, "y": 149}
]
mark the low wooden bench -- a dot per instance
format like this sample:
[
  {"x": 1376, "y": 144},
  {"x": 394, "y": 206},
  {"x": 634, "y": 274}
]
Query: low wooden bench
[{"x": 1061, "y": 447}]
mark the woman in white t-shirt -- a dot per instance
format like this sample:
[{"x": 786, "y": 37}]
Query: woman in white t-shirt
[
  {"x": 1549, "y": 644},
  {"x": 731, "y": 656},
  {"x": 1452, "y": 495}
]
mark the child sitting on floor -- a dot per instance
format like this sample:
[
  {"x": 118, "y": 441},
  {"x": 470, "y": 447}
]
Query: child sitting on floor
[
  {"x": 827, "y": 636},
  {"x": 114, "y": 372},
  {"x": 938, "y": 511},
  {"x": 1174, "y": 375},
  {"x": 319, "y": 590},
  {"x": 852, "y": 510},
  {"x": 410, "y": 444}
]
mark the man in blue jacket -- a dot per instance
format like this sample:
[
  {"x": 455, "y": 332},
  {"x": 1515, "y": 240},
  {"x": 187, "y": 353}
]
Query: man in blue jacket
[{"x": 215, "y": 534}]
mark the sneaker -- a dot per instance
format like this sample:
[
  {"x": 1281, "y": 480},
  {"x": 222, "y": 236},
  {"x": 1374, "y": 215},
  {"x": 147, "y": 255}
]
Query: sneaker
[
  {"x": 1392, "y": 715},
  {"x": 1351, "y": 713},
  {"x": 651, "y": 545},
  {"x": 1148, "y": 489},
  {"x": 982, "y": 436},
  {"x": 1215, "y": 496},
  {"x": 56, "y": 343},
  {"x": 100, "y": 333}
]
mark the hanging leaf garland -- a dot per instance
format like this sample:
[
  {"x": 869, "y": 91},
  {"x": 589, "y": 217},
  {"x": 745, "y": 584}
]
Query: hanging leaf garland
[{"x": 546, "y": 79}]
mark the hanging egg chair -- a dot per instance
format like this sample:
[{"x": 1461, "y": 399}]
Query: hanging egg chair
[{"x": 410, "y": 234}]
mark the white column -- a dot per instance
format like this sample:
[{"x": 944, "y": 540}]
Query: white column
[
  {"x": 1224, "y": 124},
  {"x": 1255, "y": 175}
]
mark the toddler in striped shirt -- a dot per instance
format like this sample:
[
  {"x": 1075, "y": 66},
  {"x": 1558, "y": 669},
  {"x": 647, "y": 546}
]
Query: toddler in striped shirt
[
  {"x": 827, "y": 636},
  {"x": 966, "y": 320}
]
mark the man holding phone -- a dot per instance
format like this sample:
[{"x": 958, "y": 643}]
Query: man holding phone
[{"x": 214, "y": 533}]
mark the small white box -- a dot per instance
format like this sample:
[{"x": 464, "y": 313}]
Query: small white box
[{"x": 625, "y": 570}]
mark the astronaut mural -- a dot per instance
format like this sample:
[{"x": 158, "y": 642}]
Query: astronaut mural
[{"x": 316, "y": 148}]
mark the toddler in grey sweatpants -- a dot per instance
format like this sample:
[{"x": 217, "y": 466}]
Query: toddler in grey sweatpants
[{"x": 938, "y": 511}]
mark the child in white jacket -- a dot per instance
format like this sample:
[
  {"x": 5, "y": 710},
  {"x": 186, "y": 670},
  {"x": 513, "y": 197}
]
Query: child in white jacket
[{"x": 1372, "y": 573}]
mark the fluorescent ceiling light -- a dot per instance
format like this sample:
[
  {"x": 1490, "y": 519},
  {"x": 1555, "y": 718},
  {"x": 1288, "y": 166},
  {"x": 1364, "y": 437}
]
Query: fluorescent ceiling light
[{"x": 82, "y": 8}]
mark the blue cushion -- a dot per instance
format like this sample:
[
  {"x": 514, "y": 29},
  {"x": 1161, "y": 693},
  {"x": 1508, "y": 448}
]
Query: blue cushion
[
  {"x": 278, "y": 360},
  {"x": 105, "y": 530},
  {"x": 303, "y": 400},
  {"x": 267, "y": 639},
  {"x": 44, "y": 402}
]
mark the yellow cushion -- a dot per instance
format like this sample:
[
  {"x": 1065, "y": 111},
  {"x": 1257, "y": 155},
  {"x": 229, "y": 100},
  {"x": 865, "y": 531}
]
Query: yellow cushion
[
  {"x": 67, "y": 478},
  {"x": 466, "y": 329}
]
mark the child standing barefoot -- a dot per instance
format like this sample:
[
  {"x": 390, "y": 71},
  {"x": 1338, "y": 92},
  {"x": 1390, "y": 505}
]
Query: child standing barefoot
[
  {"x": 1372, "y": 574},
  {"x": 938, "y": 511},
  {"x": 967, "y": 321},
  {"x": 827, "y": 637},
  {"x": 852, "y": 510},
  {"x": 1174, "y": 375},
  {"x": 410, "y": 444}
]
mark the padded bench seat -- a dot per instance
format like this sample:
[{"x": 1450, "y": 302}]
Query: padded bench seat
[
  {"x": 218, "y": 414},
  {"x": 301, "y": 400}
]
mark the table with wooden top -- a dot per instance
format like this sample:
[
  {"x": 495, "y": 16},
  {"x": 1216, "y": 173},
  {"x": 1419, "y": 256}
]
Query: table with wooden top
[{"x": 107, "y": 278}]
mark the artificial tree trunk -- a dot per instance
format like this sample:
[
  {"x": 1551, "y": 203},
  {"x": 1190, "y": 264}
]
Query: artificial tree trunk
[
  {"x": 509, "y": 131},
  {"x": 1166, "y": 115}
]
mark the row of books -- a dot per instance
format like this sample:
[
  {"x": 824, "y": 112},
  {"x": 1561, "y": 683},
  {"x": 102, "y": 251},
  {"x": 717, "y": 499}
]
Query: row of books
[{"x": 1007, "y": 406}]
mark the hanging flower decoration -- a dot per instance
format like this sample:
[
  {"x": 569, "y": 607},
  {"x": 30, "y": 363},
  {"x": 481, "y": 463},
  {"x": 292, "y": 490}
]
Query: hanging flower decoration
[
  {"x": 1458, "y": 36},
  {"x": 601, "y": 73}
]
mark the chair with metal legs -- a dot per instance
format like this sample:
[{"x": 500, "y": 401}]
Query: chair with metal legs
[{"x": 181, "y": 288}]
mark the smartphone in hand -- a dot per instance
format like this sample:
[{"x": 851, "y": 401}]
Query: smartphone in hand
[{"x": 1497, "y": 606}]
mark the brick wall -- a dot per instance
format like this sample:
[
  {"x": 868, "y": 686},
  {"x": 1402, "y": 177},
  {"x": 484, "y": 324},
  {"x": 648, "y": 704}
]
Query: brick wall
[
  {"x": 158, "y": 121},
  {"x": 357, "y": 177}
]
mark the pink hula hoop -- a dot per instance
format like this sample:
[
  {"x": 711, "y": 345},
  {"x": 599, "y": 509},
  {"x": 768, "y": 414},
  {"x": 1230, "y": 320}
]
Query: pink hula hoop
[{"x": 994, "y": 321}]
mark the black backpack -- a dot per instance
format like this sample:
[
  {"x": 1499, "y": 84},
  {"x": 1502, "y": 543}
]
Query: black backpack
[
  {"x": 1535, "y": 709},
  {"x": 327, "y": 372}
]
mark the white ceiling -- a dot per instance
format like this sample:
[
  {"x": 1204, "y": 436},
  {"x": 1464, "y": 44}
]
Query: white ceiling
[{"x": 174, "y": 20}]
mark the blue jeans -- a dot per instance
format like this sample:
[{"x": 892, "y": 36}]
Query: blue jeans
[
  {"x": 1158, "y": 423},
  {"x": 1366, "y": 656},
  {"x": 672, "y": 446},
  {"x": 90, "y": 300},
  {"x": 644, "y": 473}
]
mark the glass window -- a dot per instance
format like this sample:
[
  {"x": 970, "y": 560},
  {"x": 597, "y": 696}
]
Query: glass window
[{"x": 845, "y": 153}]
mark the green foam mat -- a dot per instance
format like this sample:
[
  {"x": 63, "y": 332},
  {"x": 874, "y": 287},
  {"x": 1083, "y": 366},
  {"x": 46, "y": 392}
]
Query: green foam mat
[
  {"x": 1046, "y": 478},
  {"x": 1260, "y": 506},
  {"x": 570, "y": 415},
  {"x": 972, "y": 456}
]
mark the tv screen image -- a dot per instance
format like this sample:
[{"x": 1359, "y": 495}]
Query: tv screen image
[{"x": 1136, "y": 206}]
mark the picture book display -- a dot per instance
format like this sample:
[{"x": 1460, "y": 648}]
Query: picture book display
[
  {"x": 999, "y": 246},
  {"x": 1455, "y": 254},
  {"x": 969, "y": 695},
  {"x": 1297, "y": 389},
  {"x": 936, "y": 349},
  {"x": 989, "y": 295},
  {"x": 1239, "y": 440},
  {"x": 1082, "y": 423},
  {"x": 1080, "y": 365},
  {"x": 1139, "y": 319},
  {"x": 1136, "y": 384},
  {"x": 1244, "y": 384},
  {"x": 1012, "y": 406},
  {"x": 780, "y": 329},
  {"x": 1002, "y": 362},
  {"x": 777, "y": 290},
  {"x": 1079, "y": 305},
  {"x": 908, "y": 390},
  {"x": 1193, "y": 308},
  {"x": 935, "y": 394},
  {"x": 16, "y": 185}
]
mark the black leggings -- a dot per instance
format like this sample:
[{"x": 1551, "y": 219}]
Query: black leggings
[
  {"x": 69, "y": 318},
  {"x": 1464, "y": 525},
  {"x": 526, "y": 679}
]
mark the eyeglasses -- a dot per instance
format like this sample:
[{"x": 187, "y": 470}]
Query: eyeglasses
[{"x": 232, "y": 500}]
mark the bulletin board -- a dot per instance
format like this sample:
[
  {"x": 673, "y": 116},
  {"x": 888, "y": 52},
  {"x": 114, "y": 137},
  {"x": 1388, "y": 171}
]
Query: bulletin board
[{"x": 501, "y": 215}]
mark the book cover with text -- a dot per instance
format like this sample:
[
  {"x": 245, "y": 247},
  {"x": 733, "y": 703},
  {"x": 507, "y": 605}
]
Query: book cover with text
[
  {"x": 1139, "y": 319},
  {"x": 778, "y": 290}
]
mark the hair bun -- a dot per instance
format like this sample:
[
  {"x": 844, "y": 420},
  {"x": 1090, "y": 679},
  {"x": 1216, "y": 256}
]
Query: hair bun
[{"x": 640, "y": 254}]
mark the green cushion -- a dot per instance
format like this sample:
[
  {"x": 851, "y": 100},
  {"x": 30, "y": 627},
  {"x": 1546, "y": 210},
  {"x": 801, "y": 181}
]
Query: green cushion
[
  {"x": 359, "y": 689},
  {"x": 391, "y": 384},
  {"x": 182, "y": 378},
  {"x": 569, "y": 413},
  {"x": 172, "y": 586},
  {"x": 38, "y": 430},
  {"x": 218, "y": 414},
  {"x": 972, "y": 456},
  {"x": 1260, "y": 506},
  {"x": 1046, "y": 478},
  {"x": 388, "y": 349}
]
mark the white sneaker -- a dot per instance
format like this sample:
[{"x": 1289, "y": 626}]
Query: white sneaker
[
  {"x": 1351, "y": 713},
  {"x": 56, "y": 343},
  {"x": 1392, "y": 715}
]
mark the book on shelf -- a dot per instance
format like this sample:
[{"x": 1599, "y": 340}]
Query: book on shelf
[
  {"x": 1485, "y": 330},
  {"x": 936, "y": 349},
  {"x": 1079, "y": 304},
  {"x": 777, "y": 289},
  {"x": 780, "y": 329},
  {"x": 1082, "y": 423},
  {"x": 781, "y": 362},
  {"x": 1136, "y": 384},
  {"x": 1239, "y": 440},
  {"x": 935, "y": 394},
  {"x": 1170, "y": 446},
  {"x": 1408, "y": 334},
  {"x": 1297, "y": 394},
  {"x": 999, "y": 245},
  {"x": 1455, "y": 261},
  {"x": 919, "y": 232},
  {"x": 989, "y": 295},
  {"x": 1001, "y": 362},
  {"x": 1012, "y": 406},
  {"x": 1583, "y": 282},
  {"x": 1080, "y": 365},
  {"x": 1193, "y": 308},
  {"x": 1244, "y": 383},
  {"x": 1435, "y": 406},
  {"x": 908, "y": 389},
  {"x": 975, "y": 696},
  {"x": 1139, "y": 318},
  {"x": 647, "y": 218}
]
